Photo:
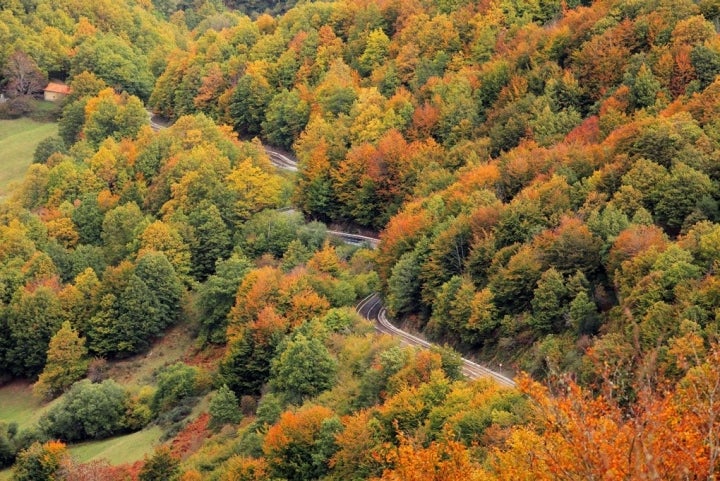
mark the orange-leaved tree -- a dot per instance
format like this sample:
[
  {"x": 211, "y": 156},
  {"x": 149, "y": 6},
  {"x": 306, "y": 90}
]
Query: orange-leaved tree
[{"x": 669, "y": 431}]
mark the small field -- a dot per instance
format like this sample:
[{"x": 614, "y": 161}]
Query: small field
[
  {"x": 17, "y": 404},
  {"x": 18, "y": 139},
  {"x": 119, "y": 450},
  {"x": 138, "y": 370}
]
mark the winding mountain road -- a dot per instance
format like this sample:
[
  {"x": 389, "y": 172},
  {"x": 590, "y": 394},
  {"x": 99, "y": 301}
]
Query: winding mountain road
[{"x": 371, "y": 307}]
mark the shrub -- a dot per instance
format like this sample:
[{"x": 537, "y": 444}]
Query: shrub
[
  {"x": 175, "y": 415},
  {"x": 98, "y": 369},
  {"x": 47, "y": 147},
  {"x": 138, "y": 411},
  {"x": 40, "y": 462},
  {"x": 16, "y": 107},
  {"x": 175, "y": 383},
  {"x": 248, "y": 405},
  {"x": 88, "y": 411},
  {"x": 27, "y": 437},
  {"x": 8, "y": 445}
]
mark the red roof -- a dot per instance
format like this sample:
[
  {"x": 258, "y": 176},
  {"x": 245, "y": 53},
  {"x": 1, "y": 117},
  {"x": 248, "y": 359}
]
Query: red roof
[{"x": 57, "y": 88}]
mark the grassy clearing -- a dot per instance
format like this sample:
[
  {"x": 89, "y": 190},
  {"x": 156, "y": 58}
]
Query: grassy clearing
[
  {"x": 138, "y": 370},
  {"x": 17, "y": 404},
  {"x": 18, "y": 139},
  {"x": 119, "y": 450}
]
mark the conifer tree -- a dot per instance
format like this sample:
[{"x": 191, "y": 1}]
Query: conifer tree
[
  {"x": 224, "y": 408},
  {"x": 161, "y": 466}
]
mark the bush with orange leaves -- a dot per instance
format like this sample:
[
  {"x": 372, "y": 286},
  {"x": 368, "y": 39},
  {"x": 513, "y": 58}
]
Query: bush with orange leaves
[{"x": 40, "y": 462}]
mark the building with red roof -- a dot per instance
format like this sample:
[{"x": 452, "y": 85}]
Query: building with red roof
[{"x": 56, "y": 91}]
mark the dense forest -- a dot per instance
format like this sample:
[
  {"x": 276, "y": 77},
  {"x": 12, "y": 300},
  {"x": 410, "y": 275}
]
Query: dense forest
[{"x": 543, "y": 177}]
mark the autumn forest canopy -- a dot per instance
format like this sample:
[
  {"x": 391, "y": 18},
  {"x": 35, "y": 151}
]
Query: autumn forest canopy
[{"x": 544, "y": 178}]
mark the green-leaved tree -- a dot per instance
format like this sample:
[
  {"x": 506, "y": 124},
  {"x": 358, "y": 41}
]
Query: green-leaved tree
[
  {"x": 303, "y": 369},
  {"x": 224, "y": 408}
]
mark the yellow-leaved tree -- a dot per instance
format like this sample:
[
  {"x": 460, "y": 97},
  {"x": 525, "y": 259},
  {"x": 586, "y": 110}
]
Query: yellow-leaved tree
[
  {"x": 254, "y": 189},
  {"x": 66, "y": 363}
]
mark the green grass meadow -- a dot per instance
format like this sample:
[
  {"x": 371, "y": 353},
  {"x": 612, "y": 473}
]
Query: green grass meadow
[
  {"x": 120, "y": 449},
  {"x": 18, "y": 139},
  {"x": 17, "y": 404}
]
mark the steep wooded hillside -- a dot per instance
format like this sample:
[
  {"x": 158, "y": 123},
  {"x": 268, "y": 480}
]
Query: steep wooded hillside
[
  {"x": 544, "y": 179},
  {"x": 524, "y": 147}
]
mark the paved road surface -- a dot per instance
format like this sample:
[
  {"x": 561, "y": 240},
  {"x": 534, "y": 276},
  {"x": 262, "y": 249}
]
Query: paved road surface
[
  {"x": 156, "y": 123},
  {"x": 355, "y": 239},
  {"x": 281, "y": 160},
  {"x": 372, "y": 309}
]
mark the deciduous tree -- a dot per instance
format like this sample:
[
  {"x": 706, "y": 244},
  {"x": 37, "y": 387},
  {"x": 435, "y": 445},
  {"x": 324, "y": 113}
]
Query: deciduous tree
[
  {"x": 87, "y": 411},
  {"x": 253, "y": 190},
  {"x": 23, "y": 75},
  {"x": 287, "y": 115},
  {"x": 161, "y": 465},
  {"x": 33, "y": 318},
  {"x": 249, "y": 103},
  {"x": 303, "y": 368},
  {"x": 66, "y": 363},
  {"x": 299, "y": 446},
  {"x": 40, "y": 462}
]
